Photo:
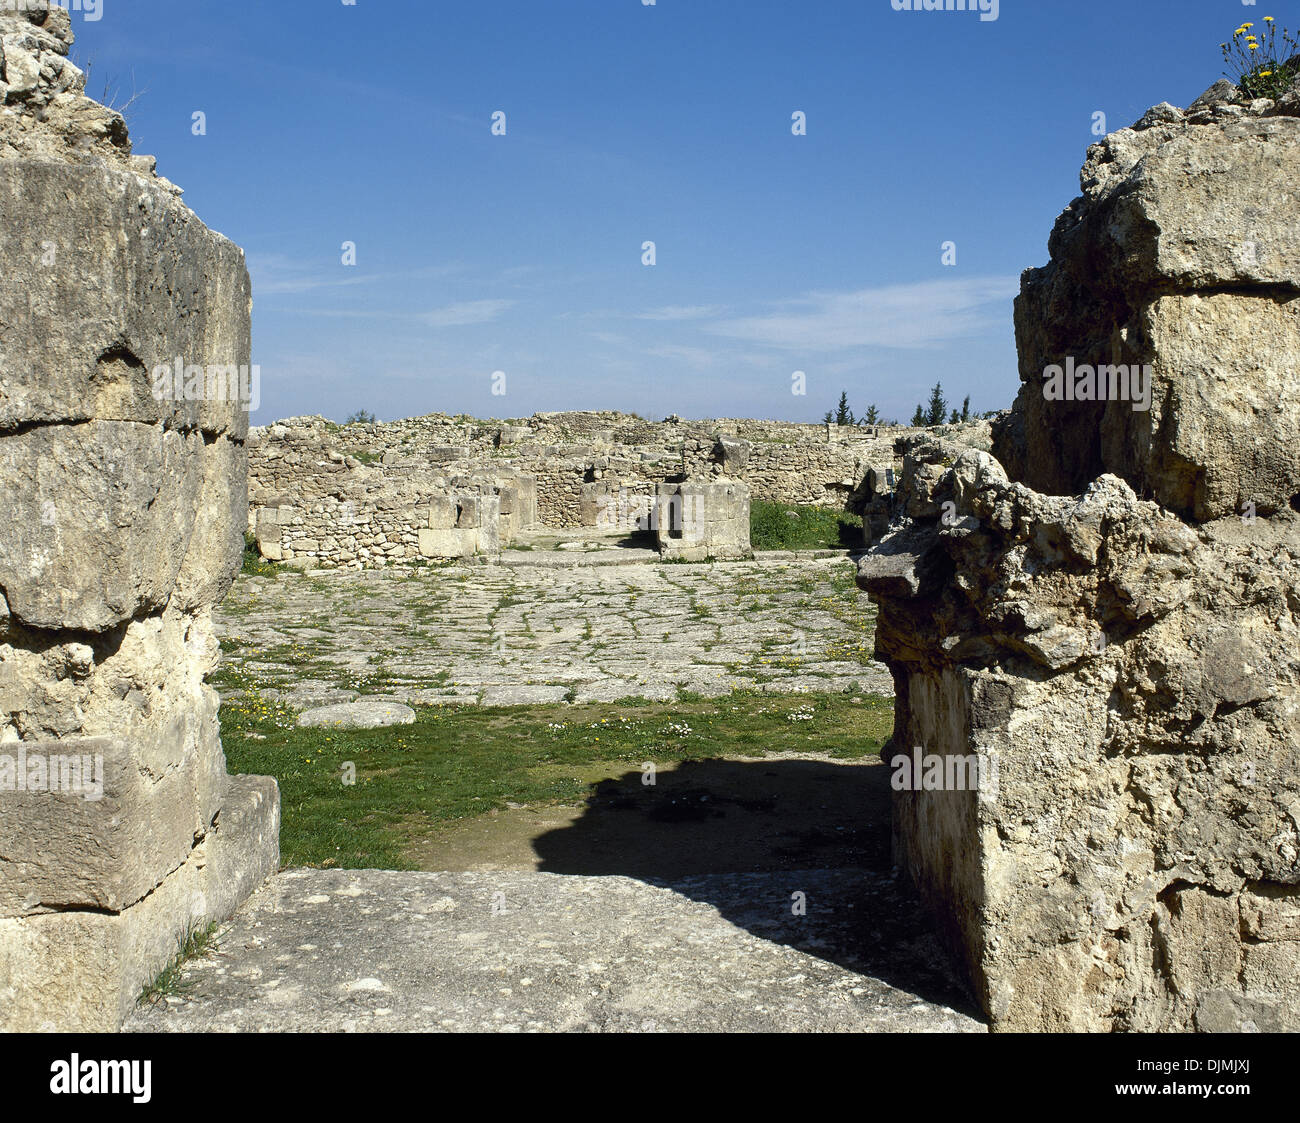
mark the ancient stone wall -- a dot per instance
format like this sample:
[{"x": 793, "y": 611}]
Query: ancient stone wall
[
  {"x": 1095, "y": 637},
  {"x": 120, "y": 831},
  {"x": 359, "y": 495},
  {"x": 312, "y": 503}
]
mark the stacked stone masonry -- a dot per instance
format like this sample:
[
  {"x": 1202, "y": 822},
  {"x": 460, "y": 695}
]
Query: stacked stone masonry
[{"x": 120, "y": 831}]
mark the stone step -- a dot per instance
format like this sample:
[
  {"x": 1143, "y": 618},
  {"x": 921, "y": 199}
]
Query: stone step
[{"x": 344, "y": 950}]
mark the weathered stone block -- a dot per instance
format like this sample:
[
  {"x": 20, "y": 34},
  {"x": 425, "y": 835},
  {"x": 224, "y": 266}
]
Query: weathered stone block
[{"x": 128, "y": 502}]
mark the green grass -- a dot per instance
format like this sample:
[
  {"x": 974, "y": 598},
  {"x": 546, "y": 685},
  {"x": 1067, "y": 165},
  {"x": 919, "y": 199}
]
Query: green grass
[
  {"x": 786, "y": 526},
  {"x": 197, "y": 942},
  {"x": 457, "y": 763}
]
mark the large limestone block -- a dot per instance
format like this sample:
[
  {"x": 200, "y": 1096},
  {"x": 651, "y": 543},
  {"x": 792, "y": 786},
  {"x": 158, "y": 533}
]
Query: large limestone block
[
  {"x": 1188, "y": 206},
  {"x": 1223, "y": 424},
  {"x": 108, "y": 848},
  {"x": 1182, "y": 258},
  {"x": 1136, "y": 684},
  {"x": 216, "y": 547},
  {"x": 84, "y": 970},
  {"x": 1224, "y": 428},
  {"x": 448, "y": 543},
  {"x": 101, "y": 520},
  {"x": 119, "y": 277},
  {"x": 696, "y": 520}
]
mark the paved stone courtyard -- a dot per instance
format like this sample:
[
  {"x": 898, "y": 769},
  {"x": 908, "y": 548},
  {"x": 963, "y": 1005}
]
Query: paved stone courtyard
[{"x": 537, "y": 632}]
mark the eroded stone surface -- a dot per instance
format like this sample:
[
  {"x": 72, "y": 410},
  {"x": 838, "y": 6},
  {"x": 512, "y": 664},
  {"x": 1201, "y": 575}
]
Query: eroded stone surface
[
  {"x": 125, "y": 522},
  {"x": 1179, "y": 256},
  {"x": 365, "y": 713},
  {"x": 334, "y": 950},
  {"x": 1122, "y": 658}
]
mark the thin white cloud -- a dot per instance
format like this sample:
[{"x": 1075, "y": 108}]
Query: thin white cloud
[
  {"x": 277, "y": 274},
  {"x": 701, "y": 357},
  {"x": 466, "y": 313},
  {"x": 918, "y": 315},
  {"x": 682, "y": 312}
]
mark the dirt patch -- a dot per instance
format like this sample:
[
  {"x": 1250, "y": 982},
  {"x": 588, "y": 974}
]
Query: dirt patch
[{"x": 732, "y": 815}]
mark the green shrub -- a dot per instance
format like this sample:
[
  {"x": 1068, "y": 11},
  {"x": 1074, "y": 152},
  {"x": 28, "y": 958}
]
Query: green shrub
[{"x": 785, "y": 526}]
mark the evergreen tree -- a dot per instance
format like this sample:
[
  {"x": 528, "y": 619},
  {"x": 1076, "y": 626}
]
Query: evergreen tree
[
  {"x": 938, "y": 406},
  {"x": 918, "y": 418},
  {"x": 843, "y": 415},
  {"x": 872, "y": 416},
  {"x": 965, "y": 409},
  {"x": 828, "y": 418}
]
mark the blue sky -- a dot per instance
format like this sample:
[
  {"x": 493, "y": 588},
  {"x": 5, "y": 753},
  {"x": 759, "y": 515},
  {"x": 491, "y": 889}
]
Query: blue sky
[{"x": 371, "y": 123}]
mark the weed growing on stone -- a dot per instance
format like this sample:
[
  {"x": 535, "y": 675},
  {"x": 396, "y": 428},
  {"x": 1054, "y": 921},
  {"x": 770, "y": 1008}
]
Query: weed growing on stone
[
  {"x": 253, "y": 564},
  {"x": 168, "y": 984},
  {"x": 1262, "y": 65}
]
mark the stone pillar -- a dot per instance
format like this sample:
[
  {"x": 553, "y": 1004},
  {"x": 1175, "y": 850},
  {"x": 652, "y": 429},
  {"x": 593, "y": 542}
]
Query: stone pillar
[
  {"x": 120, "y": 831},
  {"x": 1093, "y": 637},
  {"x": 698, "y": 520}
]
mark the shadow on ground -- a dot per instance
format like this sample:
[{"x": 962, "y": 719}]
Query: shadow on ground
[{"x": 718, "y": 832}]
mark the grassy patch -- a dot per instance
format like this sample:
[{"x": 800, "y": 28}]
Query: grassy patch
[
  {"x": 254, "y": 565},
  {"x": 355, "y": 798},
  {"x": 168, "y": 983},
  {"x": 785, "y": 526}
]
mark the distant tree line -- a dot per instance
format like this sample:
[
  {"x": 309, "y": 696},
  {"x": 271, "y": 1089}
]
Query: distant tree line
[{"x": 937, "y": 412}]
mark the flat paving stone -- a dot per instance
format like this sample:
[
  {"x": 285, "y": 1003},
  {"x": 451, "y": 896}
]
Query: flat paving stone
[
  {"x": 342, "y": 950},
  {"x": 362, "y": 714}
]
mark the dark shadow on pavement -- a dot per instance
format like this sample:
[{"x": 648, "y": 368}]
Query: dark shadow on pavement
[{"x": 748, "y": 838}]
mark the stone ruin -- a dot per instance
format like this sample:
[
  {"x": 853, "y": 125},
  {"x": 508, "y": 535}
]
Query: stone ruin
[
  {"x": 1104, "y": 614},
  {"x": 120, "y": 831},
  {"x": 365, "y": 496},
  {"x": 702, "y": 520},
  {"x": 1099, "y": 606},
  {"x": 313, "y": 501}
]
